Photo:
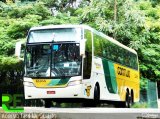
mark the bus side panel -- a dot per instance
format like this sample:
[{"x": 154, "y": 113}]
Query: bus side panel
[
  {"x": 104, "y": 74},
  {"x": 110, "y": 77},
  {"x": 127, "y": 78}
]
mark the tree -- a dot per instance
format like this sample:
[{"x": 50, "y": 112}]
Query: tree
[
  {"x": 134, "y": 23},
  {"x": 137, "y": 26}
]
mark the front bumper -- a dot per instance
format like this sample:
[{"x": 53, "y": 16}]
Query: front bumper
[{"x": 75, "y": 91}]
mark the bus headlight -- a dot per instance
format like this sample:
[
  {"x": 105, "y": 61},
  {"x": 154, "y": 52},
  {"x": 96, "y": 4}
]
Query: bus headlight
[
  {"x": 28, "y": 84},
  {"x": 76, "y": 82}
]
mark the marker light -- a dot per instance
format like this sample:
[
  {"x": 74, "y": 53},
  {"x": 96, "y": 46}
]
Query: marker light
[
  {"x": 28, "y": 84},
  {"x": 76, "y": 82}
]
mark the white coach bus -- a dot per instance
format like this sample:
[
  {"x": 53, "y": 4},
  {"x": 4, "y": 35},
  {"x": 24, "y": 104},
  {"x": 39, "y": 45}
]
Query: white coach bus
[{"x": 78, "y": 63}]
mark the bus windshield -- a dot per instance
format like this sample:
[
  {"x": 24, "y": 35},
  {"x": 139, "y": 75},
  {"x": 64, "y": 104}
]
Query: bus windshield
[
  {"x": 50, "y": 35},
  {"x": 53, "y": 60}
]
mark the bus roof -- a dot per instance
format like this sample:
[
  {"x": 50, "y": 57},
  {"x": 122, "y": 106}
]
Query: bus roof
[
  {"x": 85, "y": 27},
  {"x": 56, "y": 26}
]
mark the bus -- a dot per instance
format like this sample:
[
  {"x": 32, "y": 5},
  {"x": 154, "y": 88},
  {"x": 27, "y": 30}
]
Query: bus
[{"x": 78, "y": 63}]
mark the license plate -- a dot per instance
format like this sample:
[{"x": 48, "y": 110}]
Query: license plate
[{"x": 51, "y": 92}]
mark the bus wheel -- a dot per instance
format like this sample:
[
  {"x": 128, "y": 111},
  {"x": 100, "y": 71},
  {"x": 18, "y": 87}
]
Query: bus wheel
[
  {"x": 48, "y": 103},
  {"x": 132, "y": 97},
  {"x": 96, "y": 95},
  {"x": 128, "y": 101},
  {"x": 95, "y": 101}
]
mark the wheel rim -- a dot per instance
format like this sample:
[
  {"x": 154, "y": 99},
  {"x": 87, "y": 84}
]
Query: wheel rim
[
  {"x": 96, "y": 96},
  {"x": 128, "y": 101}
]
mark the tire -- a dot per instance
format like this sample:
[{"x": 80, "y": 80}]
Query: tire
[
  {"x": 96, "y": 95},
  {"x": 128, "y": 101},
  {"x": 132, "y": 98},
  {"x": 48, "y": 103},
  {"x": 96, "y": 99}
]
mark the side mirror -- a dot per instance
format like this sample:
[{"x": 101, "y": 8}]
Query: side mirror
[
  {"x": 18, "y": 50},
  {"x": 82, "y": 47}
]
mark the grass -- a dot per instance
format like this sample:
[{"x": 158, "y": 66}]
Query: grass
[{"x": 140, "y": 105}]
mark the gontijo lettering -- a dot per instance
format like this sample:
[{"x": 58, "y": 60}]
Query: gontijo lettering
[{"x": 123, "y": 72}]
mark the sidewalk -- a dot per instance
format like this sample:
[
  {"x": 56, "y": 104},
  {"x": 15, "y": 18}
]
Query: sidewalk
[{"x": 1, "y": 110}]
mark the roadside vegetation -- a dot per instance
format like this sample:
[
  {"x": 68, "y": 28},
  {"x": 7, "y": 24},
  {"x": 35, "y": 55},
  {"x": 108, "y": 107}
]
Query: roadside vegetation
[{"x": 135, "y": 23}]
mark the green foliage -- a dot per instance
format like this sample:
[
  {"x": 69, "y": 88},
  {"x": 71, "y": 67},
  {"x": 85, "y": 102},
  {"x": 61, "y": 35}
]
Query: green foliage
[
  {"x": 145, "y": 5},
  {"x": 60, "y": 19},
  {"x": 19, "y": 29},
  {"x": 15, "y": 21},
  {"x": 41, "y": 10},
  {"x": 137, "y": 26},
  {"x": 10, "y": 63},
  {"x": 70, "y": 105},
  {"x": 60, "y": 5},
  {"x": 149, "y": 52},
  {"x": 7, "y": 45},
  {"x": 50, "y": 3},
  {"x": 143, "y": 83},
  {"x": 20, "y": 11},
  {"x": 140, "y": 105}
]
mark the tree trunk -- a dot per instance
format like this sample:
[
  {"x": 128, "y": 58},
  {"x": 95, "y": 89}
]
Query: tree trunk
[{"x": 115, "y": 15}]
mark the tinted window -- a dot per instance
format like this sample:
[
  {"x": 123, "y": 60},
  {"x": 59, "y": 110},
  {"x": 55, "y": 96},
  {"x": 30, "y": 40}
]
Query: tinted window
[
  {"x": 58, "y": 34},
  {"x": 106, "y": 49},
  {"x": 98, "y": 48},
  {"x": 88, "y": 59}
]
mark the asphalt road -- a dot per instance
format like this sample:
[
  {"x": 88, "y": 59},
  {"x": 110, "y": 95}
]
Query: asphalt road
[{"x": 86, "y": 113}]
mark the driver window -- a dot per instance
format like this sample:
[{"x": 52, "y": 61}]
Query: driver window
[{"x": 88, "y": 59}]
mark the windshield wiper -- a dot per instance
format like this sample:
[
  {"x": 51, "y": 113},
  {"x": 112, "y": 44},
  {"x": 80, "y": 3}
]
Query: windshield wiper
[{"x": 63, "y": 77}]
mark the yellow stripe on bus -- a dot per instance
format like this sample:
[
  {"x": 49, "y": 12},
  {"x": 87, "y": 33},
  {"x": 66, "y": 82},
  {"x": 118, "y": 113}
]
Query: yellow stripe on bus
[
  {"x": 43, "y": 83},
  {"x": 127, "y": 78}
]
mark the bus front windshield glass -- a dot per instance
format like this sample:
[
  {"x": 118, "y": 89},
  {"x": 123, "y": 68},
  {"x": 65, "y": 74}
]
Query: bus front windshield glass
[{"x": 56, "y": 60}]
